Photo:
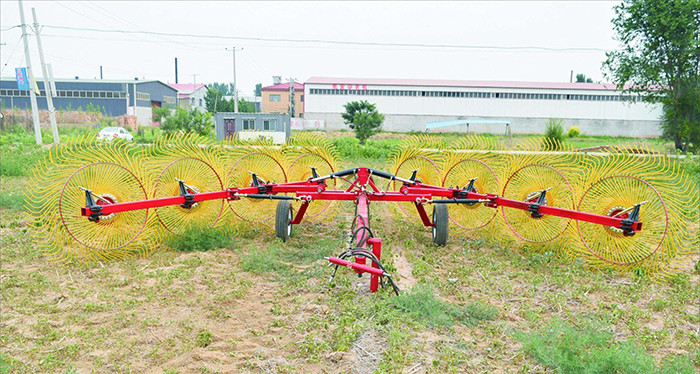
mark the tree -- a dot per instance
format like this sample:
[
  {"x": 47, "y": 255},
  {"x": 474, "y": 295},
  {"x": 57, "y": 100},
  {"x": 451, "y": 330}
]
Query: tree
[
  {"x": 581, "y": 78},
  {"x": 161, "y": 113},
  {"x": 660, "y": 61},
  {"x": 215, "y": 102},
  {"x": 226, "y": 89},
  {"x": 192, "y": 121},
  {"x": 363, "y": 117}
]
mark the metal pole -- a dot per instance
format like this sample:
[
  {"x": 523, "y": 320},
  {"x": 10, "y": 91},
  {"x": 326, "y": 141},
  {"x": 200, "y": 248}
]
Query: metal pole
[
  {"x": 32, "y": 95},
  {"x": 235, "y": 86},
  {"x": 101, "y": 72},
  {"x": 47, "y": 85}
]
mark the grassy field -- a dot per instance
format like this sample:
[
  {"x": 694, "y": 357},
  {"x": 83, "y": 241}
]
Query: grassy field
[{"x": 254, "y": 304}]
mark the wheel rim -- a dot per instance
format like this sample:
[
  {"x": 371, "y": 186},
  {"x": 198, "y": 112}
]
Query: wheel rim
[
  {"x": 522, "y": 186},
  {"x": 114, "y": 183},
  {"x": 268, "y": 169},
  {"x": 609, "y": 244},
  {"x": 198, "y": 176},
  {"x": 472, "y": 217}
]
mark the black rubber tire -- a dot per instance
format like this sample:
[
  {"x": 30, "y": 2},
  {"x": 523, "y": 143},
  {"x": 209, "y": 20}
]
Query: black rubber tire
[
  {"x": 283, "y": 220},
  {"x": 441, "y": 224}
]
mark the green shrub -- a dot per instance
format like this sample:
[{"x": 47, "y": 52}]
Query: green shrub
[
  {"x": 203, "y": 339},
  {"x": 585, "y": 349},
  {"x": 553, "y": 134},
  {"x": 350, "y": 148},
  {"x": 573, "y": 132},
  {"x": 422, "y": 304},
  {"x": 192, "y": 121}
]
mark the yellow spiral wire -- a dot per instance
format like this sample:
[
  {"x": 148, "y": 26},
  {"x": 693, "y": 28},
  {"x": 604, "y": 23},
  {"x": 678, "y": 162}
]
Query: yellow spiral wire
[
  {"x": 670, "y": 233},
  {"x": 423, "y": 153},
  {"x": 473, "y": 157},
  {"x": 53, "y": 201},
  {"x": 196, "y": 161},
  {"x": 269, "y": 164},
  {"x": 304, "y": 151}
]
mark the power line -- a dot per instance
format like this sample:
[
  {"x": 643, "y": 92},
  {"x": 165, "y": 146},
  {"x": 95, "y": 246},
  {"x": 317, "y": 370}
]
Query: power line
[
  {"x": 11, "y": 27},
  {"x": 339, "y": 42},
  {"x": 19, "y": 40}
]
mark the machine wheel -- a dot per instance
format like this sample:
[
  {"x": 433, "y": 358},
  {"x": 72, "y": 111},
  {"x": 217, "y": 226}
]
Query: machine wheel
[
  {"x": 441, "y": 224},
  {"x": 283, "y": 220}
]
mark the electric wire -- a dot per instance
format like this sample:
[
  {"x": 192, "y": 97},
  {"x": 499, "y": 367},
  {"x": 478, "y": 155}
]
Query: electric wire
[{"x": 340, "y": 42}]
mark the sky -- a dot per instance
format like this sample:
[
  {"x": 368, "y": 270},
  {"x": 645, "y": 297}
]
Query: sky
[{"x": 491, "y": 40}]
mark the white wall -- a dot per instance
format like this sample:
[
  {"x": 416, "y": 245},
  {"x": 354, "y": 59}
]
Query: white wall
[{"x": 410, "y": 113}]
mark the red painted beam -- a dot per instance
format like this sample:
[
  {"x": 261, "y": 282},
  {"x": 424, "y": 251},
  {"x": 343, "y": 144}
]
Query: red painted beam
[{"x": 359, "y": 268}]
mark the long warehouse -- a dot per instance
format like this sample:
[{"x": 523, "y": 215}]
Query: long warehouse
[{"x": 408, "y": 105}]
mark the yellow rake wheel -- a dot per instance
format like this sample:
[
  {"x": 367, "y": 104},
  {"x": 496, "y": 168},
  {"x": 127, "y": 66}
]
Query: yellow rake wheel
[
  {"x": 474, "y": 216},
  {"x": 268, "y": 170},
  {"x": 300, "y": 170},
  {"x": 199, "y": 177},
  {"x": 428, "y": 173},
  {"x": 526, "y": 184},
  {"x": 110, "y": 183},
  {"x": 615, "y": 196}
]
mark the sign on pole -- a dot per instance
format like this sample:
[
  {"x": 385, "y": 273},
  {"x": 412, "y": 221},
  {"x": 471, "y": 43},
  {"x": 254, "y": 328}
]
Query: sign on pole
[{"x": 22, "y": 79}]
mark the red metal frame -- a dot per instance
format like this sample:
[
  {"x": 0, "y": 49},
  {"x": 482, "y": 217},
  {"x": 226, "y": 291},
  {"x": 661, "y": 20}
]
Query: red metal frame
[{"x": 363, "y": 190}]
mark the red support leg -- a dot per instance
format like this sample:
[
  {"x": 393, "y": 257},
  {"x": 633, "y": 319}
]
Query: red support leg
[{"x": 376, "y": 244}]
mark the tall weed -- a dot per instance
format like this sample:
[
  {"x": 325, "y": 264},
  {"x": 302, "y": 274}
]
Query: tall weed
[{"x": 565, "y": 349}]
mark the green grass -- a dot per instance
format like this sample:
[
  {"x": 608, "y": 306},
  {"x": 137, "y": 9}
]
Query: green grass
[
  {"x": 201, "y": 239},
  {"x": 589, "y": 349},
  {"x": 422, "y": 304}
]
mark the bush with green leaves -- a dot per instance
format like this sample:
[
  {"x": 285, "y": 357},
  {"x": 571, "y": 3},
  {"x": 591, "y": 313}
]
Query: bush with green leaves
[
  {"x": 362, "y": 116},
  {"x": 192, "y": 121},
  {"x": 161, "y": 113},
  {"x": 586, "y": 348},
  {"x": 573, "y": 132},
  {"x": 553, "y": 134}
]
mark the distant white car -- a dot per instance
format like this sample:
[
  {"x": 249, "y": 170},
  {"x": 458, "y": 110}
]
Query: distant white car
[{"x": 109, "y": 133}]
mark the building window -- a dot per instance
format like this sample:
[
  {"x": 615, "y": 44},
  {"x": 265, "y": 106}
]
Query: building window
[
  {"x": 275, "y": 98},
  {"x": 169, "y": 99},
  {"x": 269, "y": 124},
  {"x": 142, "y": 96},
  {"x": 302, "y": 98},
  {"x": 248, "y": 124}
]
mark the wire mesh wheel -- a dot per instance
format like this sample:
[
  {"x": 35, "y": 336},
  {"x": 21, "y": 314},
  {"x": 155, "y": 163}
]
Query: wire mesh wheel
[
  {"x": 428, "y": 173},
  {"x": 110, "y": 183},
  {"x": 300, "y": 170},
  {"x": 268, "y": 170},
  {"x": 472, "y": 216},
  {"x": 526, "y": 184},
  {"x": 615, "y": 196},
  {"x": 199, "y": 177}
]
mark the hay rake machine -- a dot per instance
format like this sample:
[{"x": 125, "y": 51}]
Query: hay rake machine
[{"x": 625, "y": 209}]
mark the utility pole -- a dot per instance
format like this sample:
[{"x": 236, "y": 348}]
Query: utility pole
[
  {"x": 101, "y": 72},
  {"x": 32, "y": 94},
  {"x": 194, "y": 78},
  {"x": 47, "y": 85},
  {"x": 291, "y": 96},
  {"x": 235, "y": 86},
  {"x": 175, "y": 70}
]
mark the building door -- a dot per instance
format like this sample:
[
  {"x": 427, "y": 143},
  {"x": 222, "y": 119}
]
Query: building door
[
  {"x": 155, "y": 104},
  {"x": 229, "y": 127}
]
